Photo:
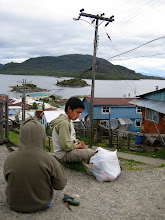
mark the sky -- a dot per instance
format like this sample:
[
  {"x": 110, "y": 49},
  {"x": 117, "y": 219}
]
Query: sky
[{"x": 33, "y": 28}]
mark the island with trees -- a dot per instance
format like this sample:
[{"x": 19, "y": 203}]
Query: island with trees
[
  {"x": 27, "y": 87},
  {"x": 72, "y": 83}
]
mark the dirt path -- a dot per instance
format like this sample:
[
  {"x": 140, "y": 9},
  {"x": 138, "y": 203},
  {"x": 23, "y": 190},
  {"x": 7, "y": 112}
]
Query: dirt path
[
  {"x": 146, "y": 160},
  {"x": 135, "y": 195}
]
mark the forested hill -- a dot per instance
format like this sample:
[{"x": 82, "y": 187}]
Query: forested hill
[{"x": 73, "y": 65}]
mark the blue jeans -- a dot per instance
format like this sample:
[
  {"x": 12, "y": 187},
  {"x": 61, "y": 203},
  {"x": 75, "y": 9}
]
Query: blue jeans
[{"x": 48, "y": 205}]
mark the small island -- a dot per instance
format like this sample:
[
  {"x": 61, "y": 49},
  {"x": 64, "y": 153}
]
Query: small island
[
  {"x": 29, "y": 87},
  {"x": 72, "y": 83}
]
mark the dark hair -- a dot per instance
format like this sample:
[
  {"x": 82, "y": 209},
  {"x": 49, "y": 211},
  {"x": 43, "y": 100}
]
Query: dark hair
[{"x": 74, "y": 103}]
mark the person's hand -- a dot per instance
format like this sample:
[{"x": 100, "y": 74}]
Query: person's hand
[
  {"x": 81, "y": 142},
  {"x": 80, "y": 145}
]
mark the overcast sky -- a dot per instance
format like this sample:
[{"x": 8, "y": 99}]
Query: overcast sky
[{"x": 32, "y": 28}]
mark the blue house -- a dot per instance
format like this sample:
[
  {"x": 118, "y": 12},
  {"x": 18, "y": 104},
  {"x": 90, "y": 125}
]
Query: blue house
[{"x": 121, "y": 113}]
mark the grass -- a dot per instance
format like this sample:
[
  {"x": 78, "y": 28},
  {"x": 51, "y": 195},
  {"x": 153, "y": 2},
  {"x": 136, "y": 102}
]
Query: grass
[
  {"x": 159, "y": 154},
  {"x": 130, "y": 164},
  {"x": 86, "y": 141},
  {"x": 13, "y": 137},
  {"x": 51, "y": 145},
  {"x": 126, "y": 164},
  {"x": 75, "y": 166},
  {"x": 162, "y": 165}
]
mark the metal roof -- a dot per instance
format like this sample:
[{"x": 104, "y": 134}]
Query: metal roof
[
  {"x": 155, "y": 91},
  {"x": 50, "y": 115},
  {"x": 111, "y": 101},
  {"x": 151, "y": 104},
  {"x": 125, "y": 121}
]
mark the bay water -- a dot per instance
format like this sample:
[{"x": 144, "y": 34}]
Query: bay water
[{"x": 103, "y": 88}]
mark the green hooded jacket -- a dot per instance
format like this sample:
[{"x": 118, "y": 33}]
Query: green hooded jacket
[{"x": 31, "y": 173}]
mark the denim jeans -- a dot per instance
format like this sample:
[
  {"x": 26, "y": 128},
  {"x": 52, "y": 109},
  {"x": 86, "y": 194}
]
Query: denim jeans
[{"x": 48, "y": 205}]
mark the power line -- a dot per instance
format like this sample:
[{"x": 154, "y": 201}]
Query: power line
[
  {"x": 134, "y": 16},
  {"x": 95, "y": 19},
  {"x": 131, "y": 58},
  {"x": 97, "y": 63},
  {"x": 128, "y": 51}
]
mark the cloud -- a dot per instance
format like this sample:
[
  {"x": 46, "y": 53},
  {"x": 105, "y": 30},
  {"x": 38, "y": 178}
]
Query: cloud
[{"x": 46, "y": 28}]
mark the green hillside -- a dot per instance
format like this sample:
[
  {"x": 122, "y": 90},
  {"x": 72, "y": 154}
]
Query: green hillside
[{"x": 73, "y": 65}]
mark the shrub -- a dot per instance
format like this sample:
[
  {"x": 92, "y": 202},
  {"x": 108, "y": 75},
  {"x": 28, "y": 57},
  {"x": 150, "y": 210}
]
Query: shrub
[{"x": 161, "y": 153}]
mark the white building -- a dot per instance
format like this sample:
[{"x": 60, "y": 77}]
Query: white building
[{"x": 48, "y": 116}]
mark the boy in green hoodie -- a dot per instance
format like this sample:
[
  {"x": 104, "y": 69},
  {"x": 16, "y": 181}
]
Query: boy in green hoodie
[
  {"x": 66, "y": 147},
  {"x": 30, "y": 172}
]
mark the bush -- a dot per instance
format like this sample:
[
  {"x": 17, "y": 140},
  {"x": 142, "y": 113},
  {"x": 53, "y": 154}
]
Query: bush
[{"x": 160, "y": 153}]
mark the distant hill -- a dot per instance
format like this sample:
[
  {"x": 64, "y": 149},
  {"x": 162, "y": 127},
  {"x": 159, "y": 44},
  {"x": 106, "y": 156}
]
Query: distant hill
[{"x": 73, "y": 65}]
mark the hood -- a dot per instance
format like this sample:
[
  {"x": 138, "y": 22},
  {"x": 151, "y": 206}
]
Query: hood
[
  {"x": 56, "y": 121},
  {"x": 32, "y": 134}
]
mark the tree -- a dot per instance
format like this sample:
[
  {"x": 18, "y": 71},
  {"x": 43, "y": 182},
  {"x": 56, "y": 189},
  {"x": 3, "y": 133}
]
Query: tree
[
  {"x": 34, "y": 106},
  {"x": 43, "y": 106}
]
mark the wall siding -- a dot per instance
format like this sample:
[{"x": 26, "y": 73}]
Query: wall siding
[
  {"x": 149, "y": 125},
  {"x": 115, "y": 112},
  {"x": 158, "y": 96}
]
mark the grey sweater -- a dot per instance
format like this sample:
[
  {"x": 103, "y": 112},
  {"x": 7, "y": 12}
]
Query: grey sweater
[{"x": 63, "y": 135}]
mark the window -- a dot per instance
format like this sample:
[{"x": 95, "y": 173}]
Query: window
[
  {"x": 156, "y": 116},
  {"x": 103, "y": 122},
  {"x": 137, "y": 123},
  {"x": 138, "y": 109},
  {"x": 152, "y": 115},
  {"x": 105, "y": 110}
]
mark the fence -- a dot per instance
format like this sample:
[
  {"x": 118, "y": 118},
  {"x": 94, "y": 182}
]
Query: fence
[
  {"x": 4, "y": 129},
  {"x": 15, "y": 128},
  {"x": 117, "y": 139},
  {"x": 121, "y": 138},
  {"x": 131, "y": 140}
]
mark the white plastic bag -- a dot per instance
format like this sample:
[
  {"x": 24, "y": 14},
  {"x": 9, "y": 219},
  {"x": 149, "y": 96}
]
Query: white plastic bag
[{"x": 105, "y": 165}]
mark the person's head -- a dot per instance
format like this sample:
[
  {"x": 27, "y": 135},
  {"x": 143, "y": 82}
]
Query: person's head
[
  {"x": 32, "y": 134},
  {"x": 74, "y": 107}
]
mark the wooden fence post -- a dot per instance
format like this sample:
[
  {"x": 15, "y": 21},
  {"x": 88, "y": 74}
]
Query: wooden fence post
[
  {"x": 118, "y": 140},
  {"x": 128, "y": 140}
]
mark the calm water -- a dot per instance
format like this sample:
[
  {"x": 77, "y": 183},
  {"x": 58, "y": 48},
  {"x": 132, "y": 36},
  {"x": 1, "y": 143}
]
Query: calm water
[{"x": 103, "y": 88}]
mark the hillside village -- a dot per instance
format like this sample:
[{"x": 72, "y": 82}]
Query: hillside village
[
  {"x": 142, "y": 117},
  {"x": 34, "y": 107}
]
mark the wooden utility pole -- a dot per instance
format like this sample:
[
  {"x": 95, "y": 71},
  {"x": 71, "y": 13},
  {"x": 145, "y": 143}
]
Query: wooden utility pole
[
  {"x": 110, "y": 132},
  {"x": 23, "y": 90},
  {"x": 96, "y": 19},
  {"x": 23, "y": 100},
  {"x": 93, "y": 86}
]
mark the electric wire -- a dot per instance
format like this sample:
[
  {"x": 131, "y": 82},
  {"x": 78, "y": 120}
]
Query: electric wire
[
  {"x": 118, "y": 55},
  {"x": 122, "y": 26},
  {"x": 135, "y": 89},
  {"x": 97, "y": 63}
]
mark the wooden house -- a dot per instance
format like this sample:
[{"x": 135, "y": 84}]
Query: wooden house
[
  {"x": 153, "y": 114},
  {"x": 121, "y": 113},
  {"x": 48, "y": 116}
]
